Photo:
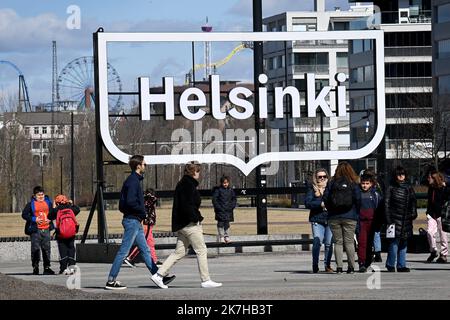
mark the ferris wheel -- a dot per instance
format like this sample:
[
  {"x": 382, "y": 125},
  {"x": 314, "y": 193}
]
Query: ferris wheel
[{"x": 76, "y": 84}]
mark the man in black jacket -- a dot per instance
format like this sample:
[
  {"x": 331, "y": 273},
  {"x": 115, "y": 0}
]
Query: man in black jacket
[
  {"x": 186, "y": 220},
  {"x": 131, "y": 204}
]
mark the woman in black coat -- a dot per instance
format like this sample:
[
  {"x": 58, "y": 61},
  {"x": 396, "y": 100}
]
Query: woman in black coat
[
  {"x": 401, "y": 210},
  {"x": 224, "y": 201}
]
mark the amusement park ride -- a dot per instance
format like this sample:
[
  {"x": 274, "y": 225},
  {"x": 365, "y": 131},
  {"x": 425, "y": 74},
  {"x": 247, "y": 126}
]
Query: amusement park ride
[
  {"x": 73, "y": 89},
  {"x": 24, "y": 99}
]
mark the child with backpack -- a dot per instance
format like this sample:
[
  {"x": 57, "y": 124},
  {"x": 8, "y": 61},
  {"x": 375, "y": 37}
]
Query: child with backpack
[
  {"x": 341, "y": 198},
  {"x": 370, "y": 201},
  {"x": 64, "y": 213},
  {"x": 150, "y": 200}
]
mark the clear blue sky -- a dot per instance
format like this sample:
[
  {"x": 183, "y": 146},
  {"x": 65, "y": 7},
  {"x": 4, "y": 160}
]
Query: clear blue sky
[{"x": 27, "y": 29}]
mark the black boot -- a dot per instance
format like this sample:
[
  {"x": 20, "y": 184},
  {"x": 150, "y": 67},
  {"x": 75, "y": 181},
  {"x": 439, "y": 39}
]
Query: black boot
[
  {"x": 377, "y": 257},
  {"x": 442, "y": 259},
  {"x": 432, "y": 256},
  {"x": 36, "y": 270}
]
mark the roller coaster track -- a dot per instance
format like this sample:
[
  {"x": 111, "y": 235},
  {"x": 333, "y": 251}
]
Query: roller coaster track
[{"x": 217, "y": 64}]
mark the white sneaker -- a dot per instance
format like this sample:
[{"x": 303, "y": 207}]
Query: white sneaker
[
  {"x": 158, "y": 280},
  {"x": 129, "y": 263},
  {"x": 211, "y": 284},
  {"x": 66, "y": 272}
]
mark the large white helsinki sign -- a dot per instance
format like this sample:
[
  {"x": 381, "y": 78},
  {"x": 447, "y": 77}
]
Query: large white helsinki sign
[{"x": 240, "y": 96}]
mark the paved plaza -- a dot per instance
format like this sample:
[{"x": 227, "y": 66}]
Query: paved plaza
[{"x": 277, "y": 276}]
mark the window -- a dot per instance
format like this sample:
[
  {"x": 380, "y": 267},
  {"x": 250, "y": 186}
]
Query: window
[
  {"x": 52, "y": 130},
  {"x": 357, "y": 75},
  {"x": 367, "y": 44},
  {"x": 357, "y": 46},
  {"x": 272, "y": 26},
  {"x": 408, "y": 70},
  {"x": 44, "y": 130},
  {"x": 341, "y": 25},
  {"x": 443, "y": 49},
  {"x": 300, "y": 84},
  {"x": 443, "y": 13},
  {"x": 60, "y": 129},
  {"x": 304, "y": 24},
  {"x": 27, "y": 131},
  {"x": 407, "y": 39},
  {"x": 408, "y": 100},
  {"x": 368, "y": 73},
  {"x": 314, "y": 58},
  {"x": 341, "y": 60},
  {"x": 36, "y": 144},
  {"x": 36, "y": 160},
  {"x": 444, "y": 84},
  {"x": 279, "y": 62},
  {"x": 36, "y": 130}
]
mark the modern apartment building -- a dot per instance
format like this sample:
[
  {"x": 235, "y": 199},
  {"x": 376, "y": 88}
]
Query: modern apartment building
[
  {"x": 441, "y": 74},
  {"x": 408, "y": 80},
  {"x": 324, "y": 58}
]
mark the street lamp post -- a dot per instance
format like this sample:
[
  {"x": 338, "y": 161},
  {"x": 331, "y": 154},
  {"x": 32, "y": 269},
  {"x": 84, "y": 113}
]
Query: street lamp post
[
  {"x": 156, "y": 167},
  {"x": 61, "y": 175}
]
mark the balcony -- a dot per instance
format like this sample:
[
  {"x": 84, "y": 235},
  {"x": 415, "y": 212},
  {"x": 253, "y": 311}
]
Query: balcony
[
  {"x": 408, "y": 16},
  {"x": 298, "y": 44},
  {"x": 408, "y": 82},
  {"x": 408, "y": 148},
  {"x": 314, "y": 68},
  {"x": 407, "y": 51}
]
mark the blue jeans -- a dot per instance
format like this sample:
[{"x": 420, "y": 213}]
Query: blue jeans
[
  {"x": 377, "y": 242},
  {"x": 133, "y": 232},
  {"x": 321, "y": 234},
  {"x": 397, "y": 251}
]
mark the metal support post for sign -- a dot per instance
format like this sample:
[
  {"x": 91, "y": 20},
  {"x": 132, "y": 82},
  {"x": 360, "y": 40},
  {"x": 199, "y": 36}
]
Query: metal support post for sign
[
  {"x": 261, "y": 200},
  {"x": 72, "y": 161},
  {"x": 101, "y": 219}
]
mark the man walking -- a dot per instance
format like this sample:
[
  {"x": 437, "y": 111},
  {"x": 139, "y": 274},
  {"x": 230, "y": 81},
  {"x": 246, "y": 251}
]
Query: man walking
[
  {"x": 186, "y": 220},
  {"x": 131, "y": 204}
]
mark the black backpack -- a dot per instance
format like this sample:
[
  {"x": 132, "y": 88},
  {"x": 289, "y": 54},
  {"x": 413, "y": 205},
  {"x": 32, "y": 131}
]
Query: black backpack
[{"x": 340, "y": 198}]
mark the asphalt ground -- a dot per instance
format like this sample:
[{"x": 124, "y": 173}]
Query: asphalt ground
[{"x": 265, "y": 276}]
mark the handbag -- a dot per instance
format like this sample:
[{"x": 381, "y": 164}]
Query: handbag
[
  {"x": 390, "y": 231},
  {"x": 445, "y": 217}
]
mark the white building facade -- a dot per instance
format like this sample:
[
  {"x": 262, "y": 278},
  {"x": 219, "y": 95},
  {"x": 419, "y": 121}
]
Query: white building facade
[{"x": 323, "y": 58}]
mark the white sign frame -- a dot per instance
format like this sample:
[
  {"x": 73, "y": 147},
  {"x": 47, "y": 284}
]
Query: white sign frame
[{"x": 104, "y": 38}]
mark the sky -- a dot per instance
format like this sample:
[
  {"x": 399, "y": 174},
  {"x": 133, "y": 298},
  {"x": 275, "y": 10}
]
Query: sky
[{"x": 27, "y": 29}]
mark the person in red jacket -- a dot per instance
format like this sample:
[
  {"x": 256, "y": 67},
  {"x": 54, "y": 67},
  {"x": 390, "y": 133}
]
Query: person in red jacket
[
  {"x": 66, "y": 246},
  {"x": 38, "y": 227}
]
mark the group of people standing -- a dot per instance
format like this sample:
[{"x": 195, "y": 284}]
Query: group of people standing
[
  {"x": 345, "y": 210},
  {"x": 348, "y": 210}
]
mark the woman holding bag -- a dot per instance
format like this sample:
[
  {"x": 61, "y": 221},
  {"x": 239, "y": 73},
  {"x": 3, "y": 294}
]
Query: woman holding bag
[{"x": 401, "y": 210}]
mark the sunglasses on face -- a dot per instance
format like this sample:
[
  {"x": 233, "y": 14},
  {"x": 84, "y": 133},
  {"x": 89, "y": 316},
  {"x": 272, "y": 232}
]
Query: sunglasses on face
[{"x": 321, "y": 177}]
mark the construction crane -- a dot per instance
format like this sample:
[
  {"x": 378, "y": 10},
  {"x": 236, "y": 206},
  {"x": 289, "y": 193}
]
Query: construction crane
[{"x": 215, "y": 65}]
